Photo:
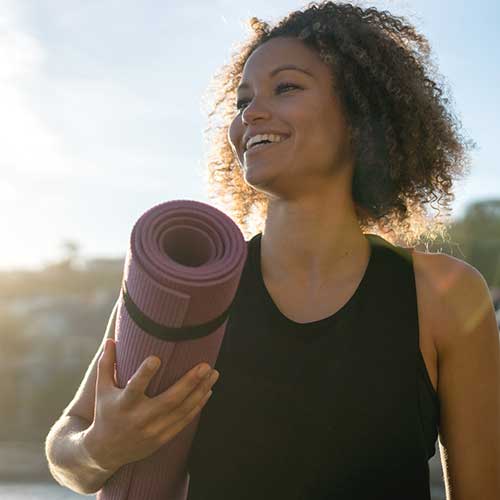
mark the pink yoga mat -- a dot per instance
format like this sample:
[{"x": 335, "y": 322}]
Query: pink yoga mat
[{"x": 181, "y": 273}]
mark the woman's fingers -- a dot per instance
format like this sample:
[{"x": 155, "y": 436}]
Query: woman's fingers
[
  {"x": 180, "y": 402},
  {"x": 186, "y": 419},
  {"x": 138, "y": 383},
  {"x": 178, "y": 392}
]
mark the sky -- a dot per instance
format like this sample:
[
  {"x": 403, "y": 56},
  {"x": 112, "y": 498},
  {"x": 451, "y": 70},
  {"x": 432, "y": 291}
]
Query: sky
[{"x": 101, "y": 112}]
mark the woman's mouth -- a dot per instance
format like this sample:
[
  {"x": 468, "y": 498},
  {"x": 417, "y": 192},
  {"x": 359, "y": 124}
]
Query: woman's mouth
[{"x": 262, "y": 147}]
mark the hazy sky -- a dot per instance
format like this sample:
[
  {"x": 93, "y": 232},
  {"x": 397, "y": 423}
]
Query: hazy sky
[{"x": 101, "y": 108}]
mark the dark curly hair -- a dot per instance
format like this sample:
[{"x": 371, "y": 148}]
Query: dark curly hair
[{"x": 407, "y": 144}]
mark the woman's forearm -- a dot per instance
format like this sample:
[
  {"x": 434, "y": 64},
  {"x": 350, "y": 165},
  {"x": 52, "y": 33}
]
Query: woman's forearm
[{"x": 71, "y": 462}]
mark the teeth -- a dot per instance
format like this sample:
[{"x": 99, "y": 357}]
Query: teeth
[{"x": 262, "y": 137}]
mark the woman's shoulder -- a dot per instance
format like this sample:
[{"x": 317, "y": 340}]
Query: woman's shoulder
[
  {"x": 443, "y": 264},
  {"x": 447, "y": 275},
  {"x": 455, "y": 291}
]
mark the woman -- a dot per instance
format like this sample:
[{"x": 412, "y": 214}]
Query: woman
[{"x": 344, "y": 355}]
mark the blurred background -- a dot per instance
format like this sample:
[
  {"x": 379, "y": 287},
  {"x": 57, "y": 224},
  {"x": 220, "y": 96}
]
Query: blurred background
[{"x": 101, "y": 118}]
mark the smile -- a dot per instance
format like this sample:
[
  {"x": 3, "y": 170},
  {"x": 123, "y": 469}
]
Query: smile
[{"x": 262, "y": 147}]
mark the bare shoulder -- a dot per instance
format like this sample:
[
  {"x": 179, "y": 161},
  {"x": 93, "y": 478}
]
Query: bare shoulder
[
  {"x": 456, "y": 292},
  {"x": 445, "y": 272}
]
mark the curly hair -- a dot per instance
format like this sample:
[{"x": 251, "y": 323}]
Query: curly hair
[{"x": 407, "y": 143}]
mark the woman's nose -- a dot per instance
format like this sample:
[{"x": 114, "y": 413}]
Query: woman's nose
[{"x": 256, "y": 108}]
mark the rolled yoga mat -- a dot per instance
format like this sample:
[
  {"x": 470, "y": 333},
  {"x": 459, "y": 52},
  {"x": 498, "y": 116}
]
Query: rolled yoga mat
[{"x": 181, "y": 273}]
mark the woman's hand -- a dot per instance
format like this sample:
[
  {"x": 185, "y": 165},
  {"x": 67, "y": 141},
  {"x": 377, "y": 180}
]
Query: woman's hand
[{"x": 128, "y": 425}]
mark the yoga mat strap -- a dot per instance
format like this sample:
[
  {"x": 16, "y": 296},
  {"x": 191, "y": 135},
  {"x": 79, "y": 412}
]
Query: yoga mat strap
[{"x": 163, "y": 332}]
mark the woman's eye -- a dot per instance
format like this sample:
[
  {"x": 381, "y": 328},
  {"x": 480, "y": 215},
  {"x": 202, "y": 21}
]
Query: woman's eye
[
  {"x": 241, "y": 102},
  {"x": 286, "y": 85}
]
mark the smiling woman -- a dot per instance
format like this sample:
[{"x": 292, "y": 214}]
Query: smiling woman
[{"x": 345, "y": 355}]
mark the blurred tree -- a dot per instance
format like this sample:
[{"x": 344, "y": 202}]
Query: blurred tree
[
  {"x": 475, "y": 238},
  {"x": 70, "y": 256},
  {"x": 71, "y": 249}
]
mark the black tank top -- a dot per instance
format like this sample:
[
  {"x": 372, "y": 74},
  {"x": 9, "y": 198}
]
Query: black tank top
[{"x": 340, "y": 408}]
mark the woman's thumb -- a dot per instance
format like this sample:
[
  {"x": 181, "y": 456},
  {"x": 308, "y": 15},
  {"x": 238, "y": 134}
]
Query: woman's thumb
[{"x": 106, "y": 365}]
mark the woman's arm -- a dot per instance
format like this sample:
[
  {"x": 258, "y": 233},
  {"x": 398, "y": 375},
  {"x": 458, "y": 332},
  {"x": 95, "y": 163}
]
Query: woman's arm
[
  {"x": 68, "y": 454},
  {"x": 469, "y": 380},
  {"x": 71, "y": 461}
]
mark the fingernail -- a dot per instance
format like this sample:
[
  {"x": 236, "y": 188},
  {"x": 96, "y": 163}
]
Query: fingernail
[
  {"x": 203, "y": 370},
  {"x": 153, "y": 363}
]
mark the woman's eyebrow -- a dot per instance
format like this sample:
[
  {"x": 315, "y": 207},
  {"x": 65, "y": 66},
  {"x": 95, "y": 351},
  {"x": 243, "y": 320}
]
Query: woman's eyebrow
[{"x": 277, "y": 70}]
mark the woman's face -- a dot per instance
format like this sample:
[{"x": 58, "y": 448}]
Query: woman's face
[{"x": 297, "y": 105}]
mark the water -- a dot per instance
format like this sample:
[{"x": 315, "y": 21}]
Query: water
[
  {"x": 38, "y": 491},
  {"x": 46, "y": 491}
]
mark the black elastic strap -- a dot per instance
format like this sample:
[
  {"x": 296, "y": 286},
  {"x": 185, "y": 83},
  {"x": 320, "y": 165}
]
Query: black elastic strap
[{"x": 170, "y": 333}]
